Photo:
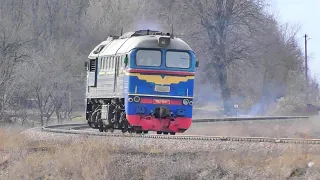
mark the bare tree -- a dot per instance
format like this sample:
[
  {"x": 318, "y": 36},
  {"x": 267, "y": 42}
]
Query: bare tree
[
  {"x": 13, "y": 53},
  {"x": 234, "y": 40},
  {"x": 227, "y": 28},
  {"x": 39, "y": 83}
]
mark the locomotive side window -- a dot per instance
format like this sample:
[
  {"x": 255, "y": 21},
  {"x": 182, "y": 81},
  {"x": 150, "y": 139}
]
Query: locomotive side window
[
  {"x": 104, "y": 63},
  {"x": 112, "y": 63},
  {"x": 100, "y": 64},
  {"x": 122, "y": 61},
  {"x": 178, "y": 59},
  {"x": 148, "y": 58},
  {"x": 107, "y": 62}
]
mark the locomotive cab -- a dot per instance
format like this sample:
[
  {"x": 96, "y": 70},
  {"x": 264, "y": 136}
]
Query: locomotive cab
[{"x": 160, "y": 87}]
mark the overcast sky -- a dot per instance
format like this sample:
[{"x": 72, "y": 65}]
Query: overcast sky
[{"x": 305, "y": 13}]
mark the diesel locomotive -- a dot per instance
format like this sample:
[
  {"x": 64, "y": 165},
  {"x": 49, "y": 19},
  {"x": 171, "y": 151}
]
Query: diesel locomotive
[{"x": 141, "y": 81}]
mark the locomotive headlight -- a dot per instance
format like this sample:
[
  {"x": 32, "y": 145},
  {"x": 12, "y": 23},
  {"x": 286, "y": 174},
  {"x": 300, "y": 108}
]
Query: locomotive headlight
[
  {"x": 164, "y": 41},
  {"x": 130, "y": 99},
  {"x": 136, "y": 99},
  {"x": 185, "y": 102}
]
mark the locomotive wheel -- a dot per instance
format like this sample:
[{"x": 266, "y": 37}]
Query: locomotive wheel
[
  {"x": 173, "y": 133},
  {"x": 139, "y": 132},
  {"x": 131, "y": 130},
  {"x": 101, "y": 128},
  {"x": 159, "y": 132},
  {"x": 111, "y": 130},
  {"x": 124, "y": 127},
  {"x": 95, "y": 125},
  {"x": 91, "y": 125},
  {"x": 145, "y": 132},
  {"x": 166, "y": 133}
]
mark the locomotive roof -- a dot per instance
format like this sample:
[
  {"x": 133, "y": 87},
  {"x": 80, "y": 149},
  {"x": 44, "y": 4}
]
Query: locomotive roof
[{"x": 138, "y": 39}]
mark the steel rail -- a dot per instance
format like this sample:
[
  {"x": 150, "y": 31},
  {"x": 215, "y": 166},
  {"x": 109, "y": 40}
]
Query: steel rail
[
  {"x": 262, "y": 118},
  {"x": 62, "y": 129}
]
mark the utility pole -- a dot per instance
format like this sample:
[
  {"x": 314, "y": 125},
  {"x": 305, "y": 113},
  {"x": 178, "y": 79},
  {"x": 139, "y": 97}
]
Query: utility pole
[
  {"x": 306, "y": 61},
  {"x": 317, "y": 92}
]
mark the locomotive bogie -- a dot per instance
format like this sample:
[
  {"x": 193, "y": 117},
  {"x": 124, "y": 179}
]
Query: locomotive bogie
[{"x": 106, "y": 114}]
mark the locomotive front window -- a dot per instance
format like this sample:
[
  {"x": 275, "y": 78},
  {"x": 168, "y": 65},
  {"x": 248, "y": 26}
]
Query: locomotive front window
[
  {"x": 148, "y": 58},
  {"x": 178, "y": 59}
]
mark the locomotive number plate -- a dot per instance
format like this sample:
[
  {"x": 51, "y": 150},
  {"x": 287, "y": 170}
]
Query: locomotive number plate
[
  {"x": 160, "y": 88},
  {"x": 161, "y": 101}
]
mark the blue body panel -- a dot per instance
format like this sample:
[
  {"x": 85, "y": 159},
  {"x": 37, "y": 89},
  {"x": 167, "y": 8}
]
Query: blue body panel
[{"x": 147, "y": 89}]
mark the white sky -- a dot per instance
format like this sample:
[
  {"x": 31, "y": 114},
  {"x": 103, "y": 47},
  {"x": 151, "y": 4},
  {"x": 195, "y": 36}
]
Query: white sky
[{"x": 306, "y": 14}]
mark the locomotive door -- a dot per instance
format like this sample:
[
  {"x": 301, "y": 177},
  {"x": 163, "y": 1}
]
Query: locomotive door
[{"x": 116, "y": 76}]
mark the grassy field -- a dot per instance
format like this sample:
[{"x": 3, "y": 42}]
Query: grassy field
[{"x": 98, "y": 159}]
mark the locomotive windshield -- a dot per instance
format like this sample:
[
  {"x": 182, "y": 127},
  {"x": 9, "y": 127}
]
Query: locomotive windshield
[
  {"x": 177, "y": 59},
  {"x": 148, "y": 58}
]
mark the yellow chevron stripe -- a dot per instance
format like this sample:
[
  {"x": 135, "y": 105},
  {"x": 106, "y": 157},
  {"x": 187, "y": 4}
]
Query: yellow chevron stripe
[{"x": 157, "y": 79}]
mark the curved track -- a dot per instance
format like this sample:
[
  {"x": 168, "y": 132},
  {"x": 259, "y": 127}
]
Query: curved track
[{"x": 84, "y": 129}]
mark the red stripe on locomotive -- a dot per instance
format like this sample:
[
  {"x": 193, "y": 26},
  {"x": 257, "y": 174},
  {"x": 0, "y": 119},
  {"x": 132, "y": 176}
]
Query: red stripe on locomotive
[
  {"x": 182, "y": 73},
  {"x": 161, "y": 101}
]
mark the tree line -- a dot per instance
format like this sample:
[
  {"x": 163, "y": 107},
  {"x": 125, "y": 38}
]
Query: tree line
[{"x": 246, "y": 55}]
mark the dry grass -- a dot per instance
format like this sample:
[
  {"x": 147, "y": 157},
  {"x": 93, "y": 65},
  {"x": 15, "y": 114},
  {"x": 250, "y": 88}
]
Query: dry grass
[
  {"x": 96, "y": 159},
  {"x": 83, "y": 160}
]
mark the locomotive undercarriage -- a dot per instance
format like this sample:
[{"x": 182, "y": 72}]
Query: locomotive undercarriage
[{"x": 108, "y": 115}]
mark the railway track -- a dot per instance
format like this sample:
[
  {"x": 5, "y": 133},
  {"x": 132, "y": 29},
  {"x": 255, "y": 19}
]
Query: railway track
[
  {"x": 83, "y": 129},
  {"x": 261, "y": 118}
]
